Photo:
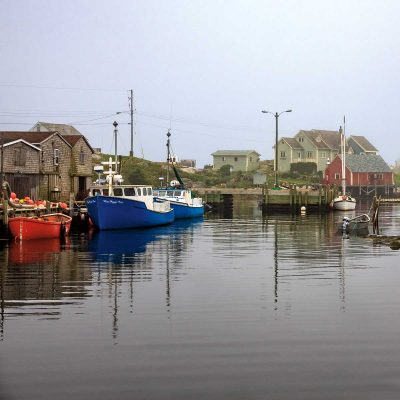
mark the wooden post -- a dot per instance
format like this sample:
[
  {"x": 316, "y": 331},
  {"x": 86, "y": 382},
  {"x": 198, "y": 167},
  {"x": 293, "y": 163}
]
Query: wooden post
[
  {"x": 71, "y": 204},
  {"x": 5, "y": 212}
]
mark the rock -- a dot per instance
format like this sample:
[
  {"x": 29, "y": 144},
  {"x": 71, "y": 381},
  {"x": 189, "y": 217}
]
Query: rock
[{"x": 394, "y": 244}]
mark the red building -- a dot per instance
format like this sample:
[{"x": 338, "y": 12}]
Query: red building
[{"x": 362, "y": 171}]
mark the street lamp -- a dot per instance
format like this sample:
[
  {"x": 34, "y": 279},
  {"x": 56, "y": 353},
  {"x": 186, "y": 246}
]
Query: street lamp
[{"x": 276, "y": 115}]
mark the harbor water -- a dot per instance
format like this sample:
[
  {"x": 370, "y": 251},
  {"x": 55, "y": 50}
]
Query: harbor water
[{"x": 234, "y": 306}]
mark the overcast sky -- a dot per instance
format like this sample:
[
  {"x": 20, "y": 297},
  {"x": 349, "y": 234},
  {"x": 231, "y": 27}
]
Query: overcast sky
[{"x": 205, "y": 68}]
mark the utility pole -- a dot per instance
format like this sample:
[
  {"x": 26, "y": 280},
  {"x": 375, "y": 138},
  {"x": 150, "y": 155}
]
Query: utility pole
[
  {"x": 276, "y": 115},
  {"x": 131, "y": 112}
]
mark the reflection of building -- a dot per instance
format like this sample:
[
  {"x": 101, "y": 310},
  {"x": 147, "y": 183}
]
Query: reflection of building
[{"x": 52, "y": 271}]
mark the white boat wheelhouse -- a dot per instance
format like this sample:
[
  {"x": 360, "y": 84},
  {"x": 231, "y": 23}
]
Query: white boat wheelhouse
[{"x": 178, "y": 196}]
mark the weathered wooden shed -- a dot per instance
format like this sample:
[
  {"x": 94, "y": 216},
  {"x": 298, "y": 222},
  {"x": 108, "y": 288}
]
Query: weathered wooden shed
[{"x": 51, "y": 177}]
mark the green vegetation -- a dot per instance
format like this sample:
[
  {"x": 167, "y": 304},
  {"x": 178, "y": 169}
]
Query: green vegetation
[
  {"x": 397, "y": 179},
  {"x": 139, "y": 171}
]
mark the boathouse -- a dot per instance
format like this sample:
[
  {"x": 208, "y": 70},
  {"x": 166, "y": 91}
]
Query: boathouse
[
  {"x": 46, "y": 165},
  {"x": 365, "y": 174}
]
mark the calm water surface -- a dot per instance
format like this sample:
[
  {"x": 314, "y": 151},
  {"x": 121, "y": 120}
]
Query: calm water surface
[{"x": 240, "y": 306}]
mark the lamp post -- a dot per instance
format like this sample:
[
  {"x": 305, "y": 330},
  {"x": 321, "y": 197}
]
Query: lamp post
[{"x": 276, "y": 115}]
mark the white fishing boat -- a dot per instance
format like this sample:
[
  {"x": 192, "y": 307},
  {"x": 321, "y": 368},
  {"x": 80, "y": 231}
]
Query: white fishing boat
[
  {"x": 343, "y": 202},
  {"x": 181, "y": 199}
]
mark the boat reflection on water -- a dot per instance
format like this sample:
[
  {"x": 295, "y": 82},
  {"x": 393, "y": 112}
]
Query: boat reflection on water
[
  {"x": 124, "y": 246},
  {"x": 33, "y": 251}
]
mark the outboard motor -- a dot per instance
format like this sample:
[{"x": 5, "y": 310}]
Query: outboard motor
[{"x": 345, "y": 224}]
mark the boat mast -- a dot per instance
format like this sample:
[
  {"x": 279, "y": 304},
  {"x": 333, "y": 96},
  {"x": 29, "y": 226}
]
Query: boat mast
[
  {"x": 168, "y": 156},
  {"x": 343, "y": 140}
]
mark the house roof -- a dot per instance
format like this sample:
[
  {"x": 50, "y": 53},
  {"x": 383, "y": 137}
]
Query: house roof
[
  {"x": 12, "y": 142},
  {"x": 363, "y": 143},
  {"x": 322, "y": 139},
  {"x": 233, "y": 152},
  {"x": 63, "y": 129},
  {"x": 73, "y": 140},
  {"x": 28, "y": 136},
  {"x": 366, "y": 163},
  {"x": 293, "y": 143}
]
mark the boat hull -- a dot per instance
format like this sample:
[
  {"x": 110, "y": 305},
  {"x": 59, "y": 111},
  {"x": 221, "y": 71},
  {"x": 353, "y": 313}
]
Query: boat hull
[
  {"x": 122, "y": 213},
  {"x": 183, "y": 210},
  {"x": 344, "y": 204},
  {"x": 46, "y": 227}
]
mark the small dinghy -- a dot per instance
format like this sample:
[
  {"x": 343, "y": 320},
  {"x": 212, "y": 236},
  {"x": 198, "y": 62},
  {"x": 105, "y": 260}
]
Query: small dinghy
[
  {"x": 359, "y": 224},
  {"x": 44, "y": 227}
]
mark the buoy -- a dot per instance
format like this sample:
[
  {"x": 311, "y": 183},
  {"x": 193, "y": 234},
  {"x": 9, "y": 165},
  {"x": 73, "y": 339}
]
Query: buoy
[{"x": 303, "y": 209}]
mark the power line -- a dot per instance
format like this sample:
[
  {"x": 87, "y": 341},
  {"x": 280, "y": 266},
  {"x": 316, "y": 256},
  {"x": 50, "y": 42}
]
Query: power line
[{"x": 60, "y": 88}]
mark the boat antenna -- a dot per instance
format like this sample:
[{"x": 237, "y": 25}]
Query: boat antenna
[
  {"x": 115, "y": 123},
  {"x": 168, "y": 154}
]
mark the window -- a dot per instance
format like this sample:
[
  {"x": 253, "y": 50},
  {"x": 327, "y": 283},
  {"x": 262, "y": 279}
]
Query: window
[
  {"x": 96, "y": 192},
  {"x": 139, "y": 191},
  {"x": 118, "y": 192},
  {"x": 56, "y": 156},
  {"x": 235, "y": 158},
  {"x": 149, "y": 192},
  {"x": 301, "y": 139},
  {"x": 223, "y": 158},
  {"x": 105, "y": 192},
  {"x": 162, "y": 193},
  {"x": 323, "y": 154},
  {"x": 170, "y": 193},
  {"x": 129, "y": 191},
  {"x": 299, "y": 154},
  {"x": 337, "y": 176},
  {"x": 144, "y": 192},
  {"x": 20, "y": 157},
  {"x": 309, "y": 154},
  {"x": 283, "y": 154},
  {"x": 82, "y": 156}
]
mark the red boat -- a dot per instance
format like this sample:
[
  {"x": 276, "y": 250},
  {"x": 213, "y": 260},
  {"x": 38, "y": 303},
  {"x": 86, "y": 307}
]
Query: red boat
[{"x": 44, "y": 227}]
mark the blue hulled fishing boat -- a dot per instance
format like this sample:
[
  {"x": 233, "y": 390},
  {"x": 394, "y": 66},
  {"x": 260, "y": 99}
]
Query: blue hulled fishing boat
[
  {"x": 116, "y": 206},
  {"x": 179, "y": 197}
]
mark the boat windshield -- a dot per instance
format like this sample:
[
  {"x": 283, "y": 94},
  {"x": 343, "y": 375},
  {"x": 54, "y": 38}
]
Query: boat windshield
[
  {"x": 129, "y": 191},
  {"x": 118, "y": 192}
]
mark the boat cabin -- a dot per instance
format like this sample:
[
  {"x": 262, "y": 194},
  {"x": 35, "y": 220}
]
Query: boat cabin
[
  {"x": 177, "y": 195},
  {"x": 121, "y": 191}
]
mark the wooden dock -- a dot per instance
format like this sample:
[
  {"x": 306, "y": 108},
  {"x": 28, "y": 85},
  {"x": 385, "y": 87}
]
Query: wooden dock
[{"x": 286, "y": 199}]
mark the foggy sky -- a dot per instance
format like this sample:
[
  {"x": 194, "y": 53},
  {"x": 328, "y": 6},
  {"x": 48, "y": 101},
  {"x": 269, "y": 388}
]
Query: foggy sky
[{"x": 204, "y": 68}]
